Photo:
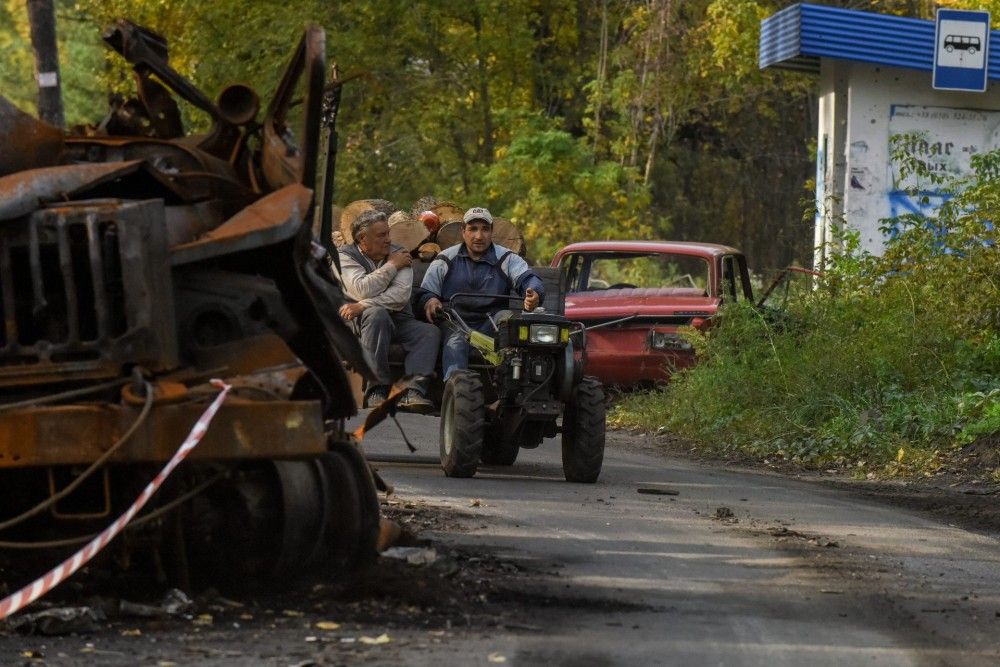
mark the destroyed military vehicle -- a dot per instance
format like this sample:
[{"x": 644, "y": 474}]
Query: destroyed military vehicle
[{"x": 138, "y": 262}]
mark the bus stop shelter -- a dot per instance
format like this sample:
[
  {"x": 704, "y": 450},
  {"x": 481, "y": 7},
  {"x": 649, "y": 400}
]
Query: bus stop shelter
[{"x": 874, "y": 78}]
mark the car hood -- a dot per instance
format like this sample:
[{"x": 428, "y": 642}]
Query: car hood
[{"x": 646, "y": 303}]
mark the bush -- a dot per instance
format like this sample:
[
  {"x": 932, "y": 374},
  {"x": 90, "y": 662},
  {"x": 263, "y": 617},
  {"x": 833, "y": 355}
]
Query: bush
[{"x": 888, "y": 360}]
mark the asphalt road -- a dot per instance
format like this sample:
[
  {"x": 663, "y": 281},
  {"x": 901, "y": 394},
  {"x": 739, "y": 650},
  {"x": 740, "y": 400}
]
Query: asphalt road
[{"x": 737, "y": 568}]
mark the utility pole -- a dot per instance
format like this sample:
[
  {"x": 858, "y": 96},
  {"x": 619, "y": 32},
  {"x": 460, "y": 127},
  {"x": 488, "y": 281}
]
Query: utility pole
[{"x": 42, "y": 17}]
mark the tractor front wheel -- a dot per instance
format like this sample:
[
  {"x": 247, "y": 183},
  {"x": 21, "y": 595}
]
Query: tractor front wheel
[
  {"x": 462, "y": 424},
  {"x": 583, "y": 433}
]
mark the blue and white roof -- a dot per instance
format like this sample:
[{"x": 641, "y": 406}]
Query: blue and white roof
[{"x": 798, "y": 36}]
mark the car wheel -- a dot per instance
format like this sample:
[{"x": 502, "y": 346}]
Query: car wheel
[
  {"x": 583, "y": 433},
  {"x": 462, "y": 424},
  {"x": 949, "y": 48}
]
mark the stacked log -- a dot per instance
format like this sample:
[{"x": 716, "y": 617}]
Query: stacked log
[
  {"x": 507, "y": 235},
  {"x": 406, "y": 228},
  {"x": 446, "y": 211},
  {"x": 449, "y": 234},
  {"x": 356, "y": 208}
]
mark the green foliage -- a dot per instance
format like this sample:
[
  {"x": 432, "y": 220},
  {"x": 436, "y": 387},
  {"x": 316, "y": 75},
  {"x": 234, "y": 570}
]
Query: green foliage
[
  {"x": 17, "y": 81},
  {"x": 551, "y": 182},
  {"x": 889, "y": 360},
  {"x": 660, "y": 104}
]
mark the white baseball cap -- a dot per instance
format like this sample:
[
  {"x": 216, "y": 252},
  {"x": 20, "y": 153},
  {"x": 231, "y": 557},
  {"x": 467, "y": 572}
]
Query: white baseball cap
[{"x": 478, "y": 213}]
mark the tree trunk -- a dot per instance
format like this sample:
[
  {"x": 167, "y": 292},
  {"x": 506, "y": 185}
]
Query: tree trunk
[
  {"x": 486, "y": 154},
  {"x": 42, "y": 16},
  {"x": 602, "y": 71}
]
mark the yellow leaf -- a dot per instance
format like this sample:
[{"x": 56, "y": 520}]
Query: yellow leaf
[
  {"x": 900, "y": 454},
  {"x": 328, "y": 625},
  {"x": 371, "y": 641}
]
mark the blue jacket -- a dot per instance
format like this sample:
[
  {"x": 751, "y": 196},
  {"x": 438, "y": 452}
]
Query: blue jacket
[{"x": 497, "y": 272}]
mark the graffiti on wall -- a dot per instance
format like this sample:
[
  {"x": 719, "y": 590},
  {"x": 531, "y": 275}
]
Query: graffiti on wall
[{"x": 944, "y": 139}]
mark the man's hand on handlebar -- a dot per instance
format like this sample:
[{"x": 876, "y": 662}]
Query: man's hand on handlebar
[
  {"x": 432, "y": 308},
  {"x": 530, "y": 299}
]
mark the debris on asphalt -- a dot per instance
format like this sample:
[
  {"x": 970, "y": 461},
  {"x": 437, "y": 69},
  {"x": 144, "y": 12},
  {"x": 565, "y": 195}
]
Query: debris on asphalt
[
  {"x": 58, "y": 621},
  {"x": 724, "y": 513},
  {"x": 375, "y": 641},
  {"x": 203, "y": 619},
  {"x": 389, "y": 533},
  {"x": 653, "y": 491},
  {"x": 824, "y": 542},
  {"x": 412, "y": 555},
  {"x": 175, "y": 602},
  {"x": 327, "y": 625}
]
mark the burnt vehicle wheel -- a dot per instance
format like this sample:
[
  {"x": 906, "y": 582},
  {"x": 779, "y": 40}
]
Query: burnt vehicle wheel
[
  {"x": 277, "y": 519},
  {"x": 352, "y": 531},
  {"x": 583, "y": 433},
  {"x": 500, "y": 452},
  {"x": 462, "y": 424}
]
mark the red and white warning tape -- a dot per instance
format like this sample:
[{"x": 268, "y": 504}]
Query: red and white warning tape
[{"x": 64, "y": 570}]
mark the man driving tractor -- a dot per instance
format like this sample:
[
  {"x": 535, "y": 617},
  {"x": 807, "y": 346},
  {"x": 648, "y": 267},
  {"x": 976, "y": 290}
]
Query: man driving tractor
[{"x": 476, "y": 266}]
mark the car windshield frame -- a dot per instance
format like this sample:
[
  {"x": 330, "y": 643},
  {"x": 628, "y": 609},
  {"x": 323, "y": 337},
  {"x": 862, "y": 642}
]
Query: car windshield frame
[{"x": 579, "y": 269}]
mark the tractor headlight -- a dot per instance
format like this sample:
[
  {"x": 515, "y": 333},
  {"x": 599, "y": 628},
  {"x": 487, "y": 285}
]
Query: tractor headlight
[{"x": 546, "y": 334}]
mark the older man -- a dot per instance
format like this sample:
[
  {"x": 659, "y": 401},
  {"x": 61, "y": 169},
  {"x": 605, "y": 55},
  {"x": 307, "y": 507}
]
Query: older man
[
  {"x": 377, "y": 275},
  {"x": 477, "y": 265}
]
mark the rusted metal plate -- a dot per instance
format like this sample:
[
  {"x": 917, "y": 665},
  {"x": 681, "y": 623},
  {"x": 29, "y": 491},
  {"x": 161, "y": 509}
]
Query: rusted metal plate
[
  {"x": 24, "y": 192},
  {"x": 282, "y": 162},
  {"x": 27, "y": 142},
  {"x": 248, "y": 355},
  {"x": 271, "y": 219},
  {"x": 79, "y": 434}
]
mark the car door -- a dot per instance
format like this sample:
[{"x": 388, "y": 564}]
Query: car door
[{"x": 735, "y": 285}]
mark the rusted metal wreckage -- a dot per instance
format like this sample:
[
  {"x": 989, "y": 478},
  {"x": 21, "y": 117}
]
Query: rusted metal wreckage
[{"x": 136, "y": 263}]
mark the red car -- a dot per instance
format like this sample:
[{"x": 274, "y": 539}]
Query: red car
[{"x": 634, "y": 295}]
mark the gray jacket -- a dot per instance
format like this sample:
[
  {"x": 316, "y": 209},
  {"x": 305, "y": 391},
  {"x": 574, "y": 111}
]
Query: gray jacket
[{"x": 374, "y": 284}]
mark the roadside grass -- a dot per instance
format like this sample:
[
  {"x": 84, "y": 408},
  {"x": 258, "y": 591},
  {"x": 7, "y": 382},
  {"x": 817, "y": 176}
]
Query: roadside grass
[
  {"x": 887, "y": 368},
  {"x": 867, "y": 382}
]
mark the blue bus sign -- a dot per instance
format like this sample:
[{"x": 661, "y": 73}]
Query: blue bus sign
[{"x": 961, "y": 50}]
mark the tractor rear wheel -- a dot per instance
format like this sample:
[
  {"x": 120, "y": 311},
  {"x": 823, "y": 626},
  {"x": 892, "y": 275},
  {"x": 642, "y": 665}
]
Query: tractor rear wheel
[
  {"x": 463, "y": 417},
  {"x": 583, "y": 433}
]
